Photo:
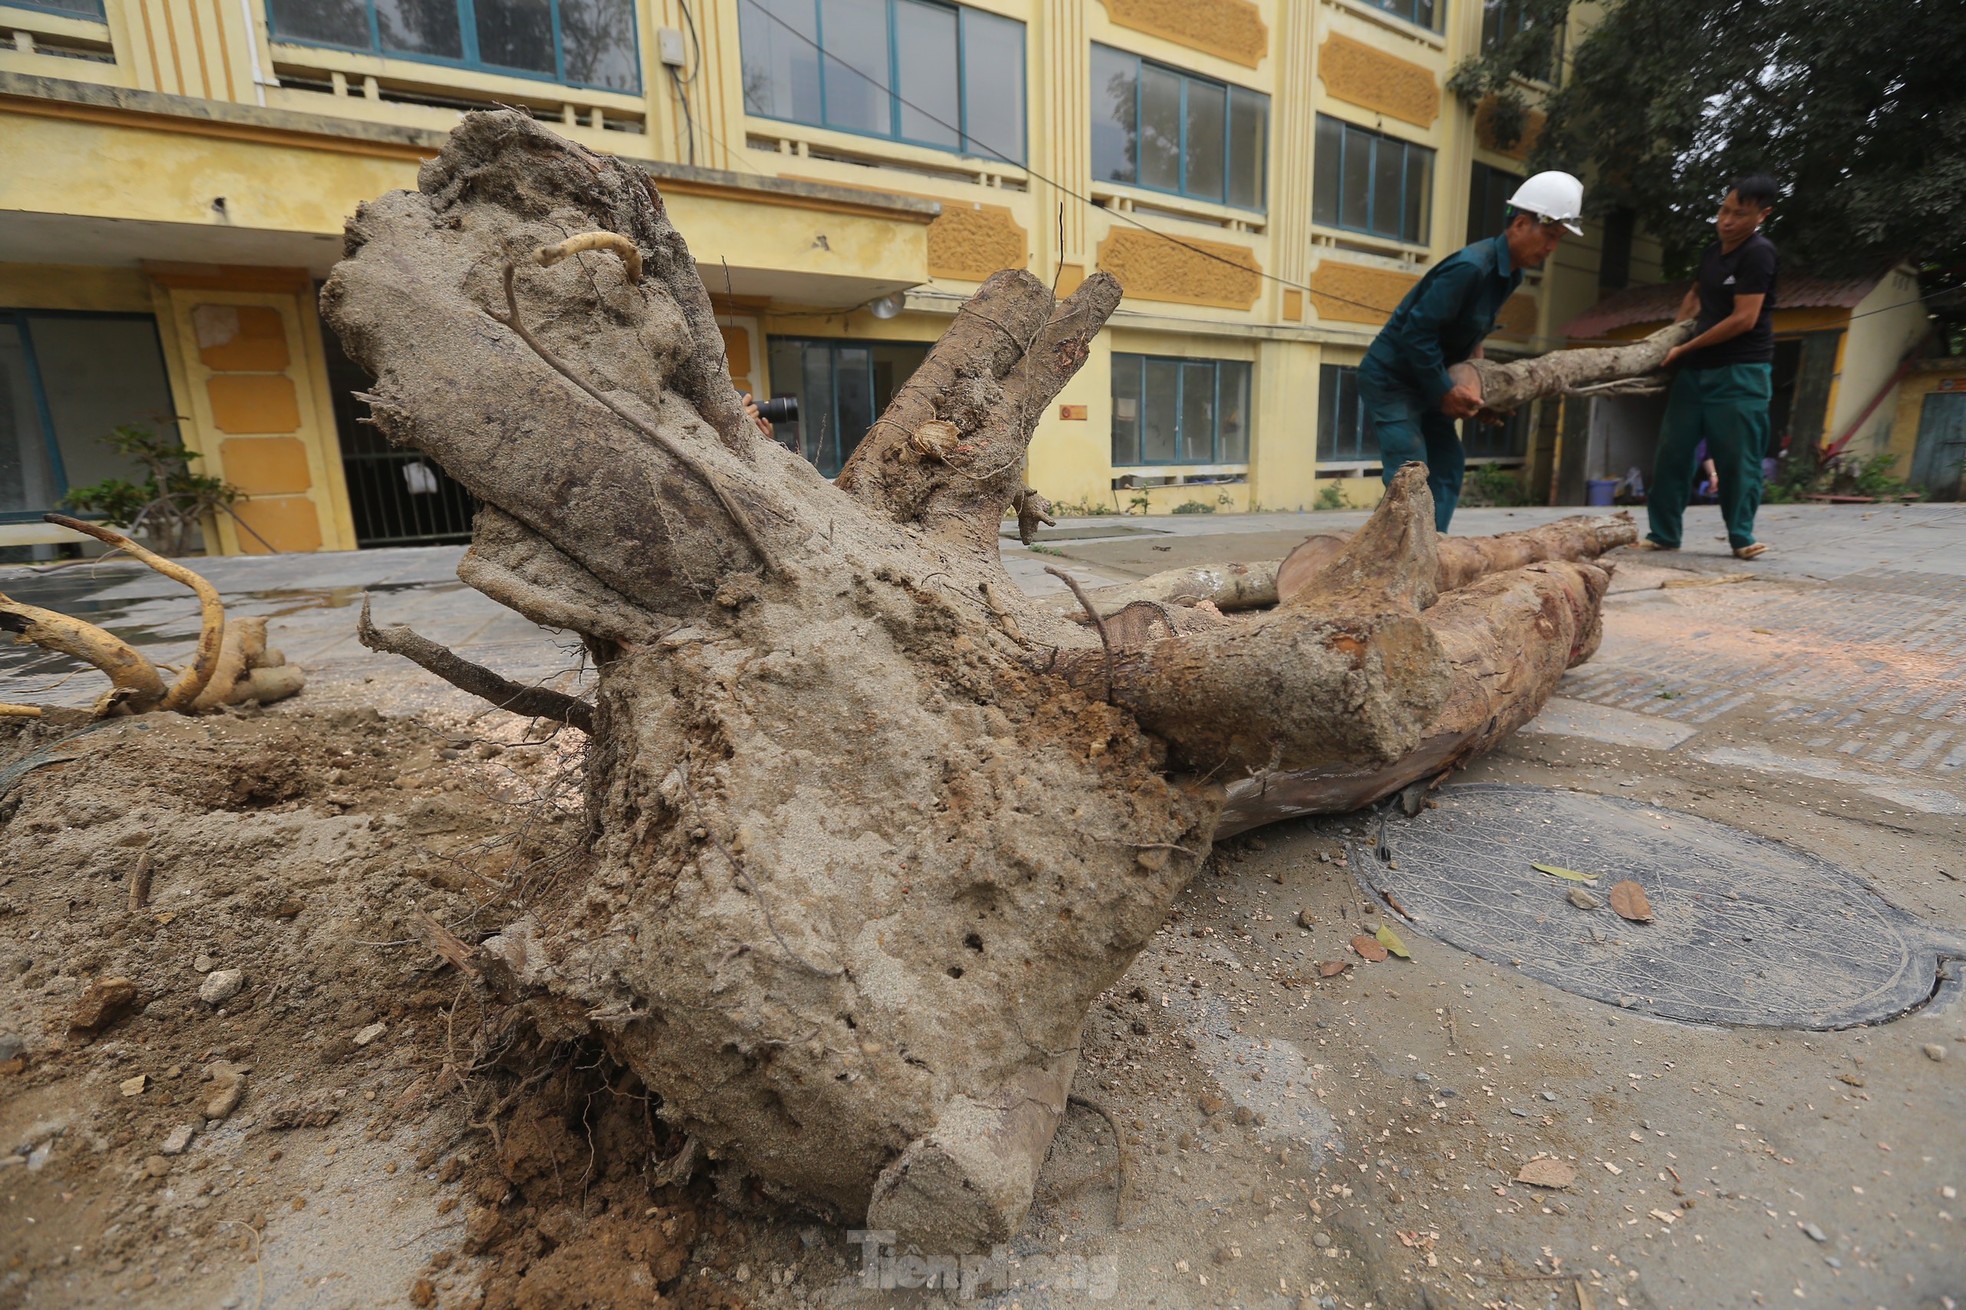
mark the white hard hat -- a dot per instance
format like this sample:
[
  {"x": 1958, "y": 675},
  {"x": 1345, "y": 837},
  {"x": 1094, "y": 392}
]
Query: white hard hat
[{"x": 1553, "y": 198}]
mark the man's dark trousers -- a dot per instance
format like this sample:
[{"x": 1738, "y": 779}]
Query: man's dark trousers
[
  {"x": 1410, "y": 429},
  {"x": 1727, "y": 407}
]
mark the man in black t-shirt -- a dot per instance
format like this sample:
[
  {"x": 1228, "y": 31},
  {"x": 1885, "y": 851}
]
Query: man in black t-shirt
[{"x": 1720, "y": 393}]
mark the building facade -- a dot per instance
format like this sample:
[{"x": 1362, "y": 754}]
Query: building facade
[{"x": 1265, "y": 177}]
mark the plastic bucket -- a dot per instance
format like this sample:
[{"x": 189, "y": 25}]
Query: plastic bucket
[{"x": 1599, "y": 491}]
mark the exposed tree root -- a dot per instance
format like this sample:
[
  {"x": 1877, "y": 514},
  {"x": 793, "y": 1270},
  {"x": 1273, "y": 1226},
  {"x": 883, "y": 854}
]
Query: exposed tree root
[
  {"x": 532, "y": 702},
  {"x": 229, "y": 667},
  {"x": 872, "y": 829}
]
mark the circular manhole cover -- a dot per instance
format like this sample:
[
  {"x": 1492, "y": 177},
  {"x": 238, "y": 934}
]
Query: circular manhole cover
[{"x": 1745, "y": 931}]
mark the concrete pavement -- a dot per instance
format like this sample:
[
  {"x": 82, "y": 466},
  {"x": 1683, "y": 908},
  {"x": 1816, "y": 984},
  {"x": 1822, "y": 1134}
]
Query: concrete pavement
[{"x": 1356, "y": 1140}]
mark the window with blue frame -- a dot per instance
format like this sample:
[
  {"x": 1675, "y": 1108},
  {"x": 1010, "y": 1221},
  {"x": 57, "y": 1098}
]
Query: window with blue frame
[
  {"x": 70, "y": 8},
  {"x": 1344, "y": 434},
  {"x": 1366, "y": 181},
  {"x": 1488, "y": 201},
  {"x": 1179, "y": 411},
  {"x": 1421, "y": 13},
  {"x": 930, "y": 74},
  {"x": 1166, "y": 130},
  {"x": 67, "y": 380},
  {"x": 841, "y": 387},
  {"x": 587, "y": 43},
  {"x": 1502, "y": 21}
]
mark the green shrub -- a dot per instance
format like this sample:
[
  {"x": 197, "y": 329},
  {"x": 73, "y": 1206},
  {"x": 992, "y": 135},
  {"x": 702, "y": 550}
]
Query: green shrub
[
  {"x": 167, "y": 505},
  {"x": 1193, "y": 507},
  {"x": 1330, "y": 496}
]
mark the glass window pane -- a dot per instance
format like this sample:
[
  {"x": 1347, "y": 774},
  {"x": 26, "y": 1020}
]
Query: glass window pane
[
  {"x": 857, "y": 89},
  {"x": 1207, "y": 124},
  {"x": 786, "y": 360},
  {"x": 1388, "y": 181},
  {"x": 894, "y": 363},
  {"x": 1126, "y": 409},
  {"x": 1355, "y": 193},
  {"x": 993, "y": 85},
  {"x": 516, "y": 34},
  {"x": 925, "y": 56},
  {"x": 1160, "y": 128},
  {"x": 1115, "y": 83},
  {"x": 853, "y": 382},
  {"x": 420, "y": 27},
  {"x": 1232, "y": 427},
  {"x": 1419, "y": 193},
  {"x": 819, "y": 426},
  {"x": 1198, "y": 412},
  {"x": 80, "y": 8},
  {"x": 1423, "y": 13},
  {"x": 1249, "y": 115},
  {"x": 99, "y": 373},
  {"x": 336, "y": 22},
  {"x": 1326, "y": 180},
  {"x": 1160, "y": 411},
  {"x": 781, "y": 58},
  {"x": 597, "y": 40},
  {"x": 1327, "y": 411},
  {"x": 27, "y": 475}
]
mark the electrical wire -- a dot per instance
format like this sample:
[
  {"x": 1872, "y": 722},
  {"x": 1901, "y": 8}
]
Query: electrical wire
[
  {"x": 1168, "y": 236},
  {"x": 1054, "y": 184},
  {"x": 689, "y": 123}
]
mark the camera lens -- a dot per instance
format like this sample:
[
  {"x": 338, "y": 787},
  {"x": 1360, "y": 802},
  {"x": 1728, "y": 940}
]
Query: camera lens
[{"x": 779, "y": 409}]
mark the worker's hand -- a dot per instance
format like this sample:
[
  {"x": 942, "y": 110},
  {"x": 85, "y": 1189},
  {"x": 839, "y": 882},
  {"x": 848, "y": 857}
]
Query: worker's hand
[
  {"x": 1494, "y": 418},
  {"x": 1462, "y": 402},
  {"x": 751, "y": 408},
  {"x": 1672, "y": 356}
]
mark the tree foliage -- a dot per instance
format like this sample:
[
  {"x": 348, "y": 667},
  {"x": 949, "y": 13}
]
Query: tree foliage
[{"x": 1857, "y": 107}]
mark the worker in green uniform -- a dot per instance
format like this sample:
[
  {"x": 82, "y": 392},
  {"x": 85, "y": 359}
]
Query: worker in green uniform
[
  {"x": 1410, "y": 401},
  {"x": 1725, "y": 376}
]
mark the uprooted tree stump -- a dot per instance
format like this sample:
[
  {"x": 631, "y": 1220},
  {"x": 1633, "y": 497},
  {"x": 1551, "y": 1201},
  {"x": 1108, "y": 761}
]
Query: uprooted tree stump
[
  {"x": 231, "y": 664},
  {"x": 870, "y": 829}
]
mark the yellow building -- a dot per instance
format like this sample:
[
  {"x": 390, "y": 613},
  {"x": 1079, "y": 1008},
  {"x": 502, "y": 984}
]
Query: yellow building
[{"x": 1265, "y": 177}]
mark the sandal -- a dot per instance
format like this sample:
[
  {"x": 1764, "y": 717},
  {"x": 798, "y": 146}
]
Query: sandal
[
  {"x": 1755, "y": 551},
  {"x": 1649, "y": 544}
]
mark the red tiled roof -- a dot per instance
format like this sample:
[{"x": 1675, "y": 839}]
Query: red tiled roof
[{"x": 1656, "y": 304}]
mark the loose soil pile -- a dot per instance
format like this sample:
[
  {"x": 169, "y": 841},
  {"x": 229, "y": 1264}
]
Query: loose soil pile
[{"x": 263, "y": 1080}]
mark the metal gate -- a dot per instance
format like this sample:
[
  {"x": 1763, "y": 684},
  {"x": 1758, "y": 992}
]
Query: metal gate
[
  {"x": 1938, "y": 465},
  {"x": 397, "y": 497}
]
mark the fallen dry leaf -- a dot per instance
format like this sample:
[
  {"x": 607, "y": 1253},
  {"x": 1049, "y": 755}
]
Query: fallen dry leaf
[
  {"x": 1628, "y": 899},
  {"x": 1332, "y": 968},
  {"x": 1546, "y": 1171},
  {"x": 1568, "y": 875},
  {"x": 1390, "y": 940},
  {"x": 1398, "y": 909},
  {"x": 1369, "y": 947}
]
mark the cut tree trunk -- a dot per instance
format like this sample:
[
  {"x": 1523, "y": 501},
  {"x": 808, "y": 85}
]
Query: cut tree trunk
[{"x": 871, "y": 829}]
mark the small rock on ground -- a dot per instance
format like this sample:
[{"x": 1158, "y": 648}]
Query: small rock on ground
[
  {"x": 178, "y": 1140},
  {"x": 221, "y": 985}
]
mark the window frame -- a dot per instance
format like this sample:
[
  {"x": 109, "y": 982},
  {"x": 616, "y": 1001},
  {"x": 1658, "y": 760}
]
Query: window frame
[
  {"x": 1423, "y": 236},
  {"x": 1487, "y": 172},
  {"x": 1184, "y": 459},
  {"x": 833, "y": 345},
  {"x": 467, "y": 18},
  {"x": 100, "y": 15},
  {"x": 1390, "y": 7},
  {"x": 962, "y": 148},
  {"x": 1230, "y": 90},
  {"x": 1330, "y": 378},
  {"x": 44, "y": 413},
  {"x": 1520, "y": 429}
]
